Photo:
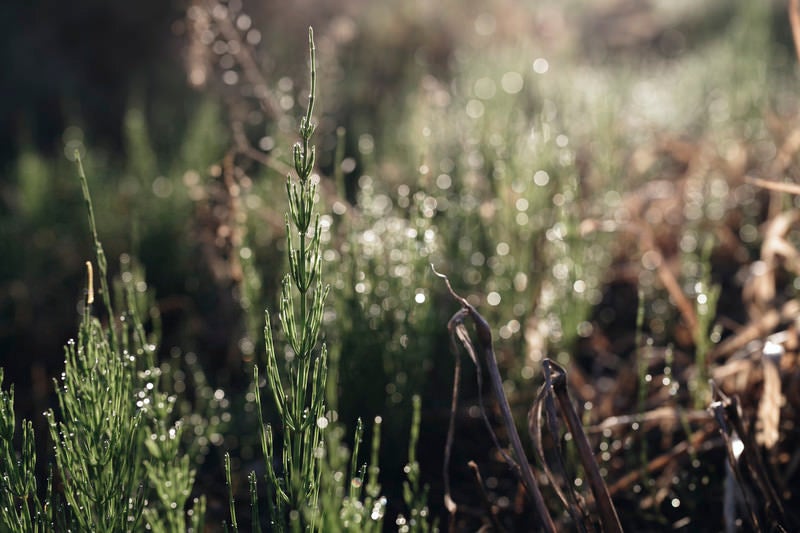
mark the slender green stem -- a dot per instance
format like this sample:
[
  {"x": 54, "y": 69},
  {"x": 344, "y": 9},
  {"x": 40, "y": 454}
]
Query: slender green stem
[
  {"x": 231, "y": 501},
  {"x": 102, "y": 263}
]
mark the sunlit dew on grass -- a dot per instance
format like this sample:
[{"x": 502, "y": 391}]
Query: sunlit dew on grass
[
  {"x": 541, "y": 178},
  {"x": 366, "y": 144},
  {"x": 653, "y": 103},
  {"x": 474, "y": 109},
  {"x": 162, "y": 187},
  {"x": 512, "y": 82},
  {"x": 540, "y": 65},
  {"x": 485, "y": 88},
  {"x": 493, "y": 298}
]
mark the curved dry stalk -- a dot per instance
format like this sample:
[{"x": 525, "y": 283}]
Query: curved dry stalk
[
  {"x": 739, "y": 442},
  {"x": 556, "y": 385},
  {"x": 520, "y": 463},
  {"x": 490, "y": 512},
  {"x": 794, "y": 19},
  {"x": 568, "y": 499}
]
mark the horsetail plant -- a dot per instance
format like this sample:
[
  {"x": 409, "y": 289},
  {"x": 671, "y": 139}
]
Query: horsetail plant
[
  {"x": 415, "y": 496},
  {"x": 114, "y": 432},
  {"x": 21, "y": 510},
  {"x": 95, "y": 443},
  {"x": 294, "y": 486},
  {"x": 707, "y": 296}
]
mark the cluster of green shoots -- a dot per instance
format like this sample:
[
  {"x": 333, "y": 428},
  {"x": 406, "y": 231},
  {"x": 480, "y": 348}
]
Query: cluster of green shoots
[{"x": 117, "y": 444}]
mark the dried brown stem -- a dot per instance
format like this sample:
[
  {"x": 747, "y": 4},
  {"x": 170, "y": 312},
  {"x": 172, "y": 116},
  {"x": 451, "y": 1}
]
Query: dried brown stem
[
  {"x": 558, "y": 385},
  {"x": 756, "y": 330},
  {"x": 660, "y": 415},
  {"x": 490, "y": 512},
  {"x": 520, "y": 464},
  {"x": 681, "y": 449},
  {"x": 568, "y": 499},
  {"x": 794, "y": 19},
  {"x": 727, "y": 412},
  {"x": 778, "y": 186}
]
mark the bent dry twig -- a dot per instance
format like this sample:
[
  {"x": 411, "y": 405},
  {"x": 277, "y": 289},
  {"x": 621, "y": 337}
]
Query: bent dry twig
[
  {"x": 568, "y": 499},
  {"x": 519, "y": 463},
  {"x": 727, "y": 412},
  {"x": 555, "y": 387},
  {"x": 490, "y": 511}
]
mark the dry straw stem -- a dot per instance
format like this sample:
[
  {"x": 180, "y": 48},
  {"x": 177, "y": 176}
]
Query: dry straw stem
[
  {"x": 488, "y": 507},
  {"x": 727, "y": 412},
  {"x": 89, "y": 283},
  {"x": 555, "y": 390},
  {"x": 794, "y": 19},
  {"x": 569, "y": 499},
  {"x": 755, "y": 330},
  {"x": 519, "y": 463},
  {"x": 660, "y": 416},
  {"x": 777, "y": 251},
  {"x": 769, "y": 405},
  {"x": 777, "y": 186},
  {"x": 681, "y": 450}
]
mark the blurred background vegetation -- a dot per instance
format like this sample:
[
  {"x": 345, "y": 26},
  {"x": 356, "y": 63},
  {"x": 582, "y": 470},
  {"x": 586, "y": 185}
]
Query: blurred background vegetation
[{"x": 547, "y": 156}]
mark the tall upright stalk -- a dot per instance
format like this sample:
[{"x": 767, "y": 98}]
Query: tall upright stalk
[{"x": 301, "y": 405}]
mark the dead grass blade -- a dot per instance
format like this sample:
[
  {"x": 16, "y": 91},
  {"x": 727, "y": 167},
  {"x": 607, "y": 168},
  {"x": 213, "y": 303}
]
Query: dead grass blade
[
  {"x": 777, "y": 186},
  {"x": 459, "y": 331},
  {"x": 794, "y": 19},
  {"x": 777, "y": 252},
  {"x": 569, "y": 499},
  {"x": 449, "y": 503},
  {"x": 490, "y": 511},
  {"x": 732, "y": 445},
  {"x": 682, "y": 449},
  {"x": 769, "y": 405},
  {"x": 556, "y": 387},
  {"x": 739, "y": 442},
  {"x": 756, "y": 329},
  {"x": 519, "y": 463},
  {"x": 665, "y": 416}
]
